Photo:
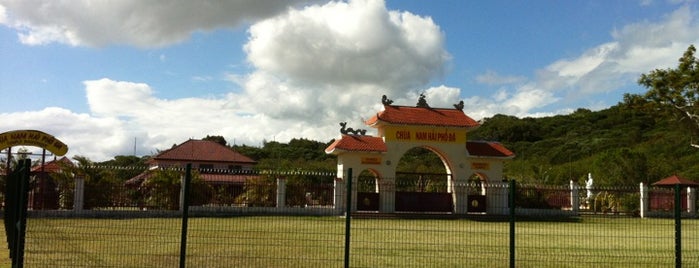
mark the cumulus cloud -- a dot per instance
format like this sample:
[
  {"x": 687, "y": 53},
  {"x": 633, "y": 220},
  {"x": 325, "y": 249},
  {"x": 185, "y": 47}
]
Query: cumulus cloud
[
  {"x": 132, "y": 22},
  {"x": 635, "y": 49},
  {"x": 331, "y": 62},
  {"x": 347, "y": 43}
]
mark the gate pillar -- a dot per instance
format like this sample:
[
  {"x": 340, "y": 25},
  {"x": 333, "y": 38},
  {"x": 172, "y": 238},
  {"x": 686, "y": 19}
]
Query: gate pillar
[
  {"x": 387, "y": 195},
  {"x": 460, "y": 197}
]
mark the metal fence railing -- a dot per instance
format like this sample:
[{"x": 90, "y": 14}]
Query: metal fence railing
[{"x": 299, "y": 219}]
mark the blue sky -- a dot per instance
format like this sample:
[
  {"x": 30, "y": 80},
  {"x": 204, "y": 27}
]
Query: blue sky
[{"x": 99, "y": 74}]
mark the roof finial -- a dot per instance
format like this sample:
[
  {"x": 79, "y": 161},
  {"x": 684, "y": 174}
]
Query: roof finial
[
  {"x": 351, "y": 131},
  {"x": 386, "y": 101},
  {"x": 459, "y": 106},
  {"x": 421, "y": 102}
]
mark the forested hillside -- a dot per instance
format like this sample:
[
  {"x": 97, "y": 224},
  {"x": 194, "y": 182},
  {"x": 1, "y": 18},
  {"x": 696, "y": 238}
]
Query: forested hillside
[{"x": 621, "y": 145}]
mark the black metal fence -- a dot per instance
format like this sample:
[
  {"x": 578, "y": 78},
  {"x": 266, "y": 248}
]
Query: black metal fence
[{"x": 255, "y": 224}]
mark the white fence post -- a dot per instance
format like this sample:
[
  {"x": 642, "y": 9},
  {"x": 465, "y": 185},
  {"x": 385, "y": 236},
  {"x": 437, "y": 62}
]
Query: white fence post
[
  {"x": 78, "y": 193},
  {"x": 644, "y": 200},
  {"x": 691, "y": 200},
  {"x": 497, "y": 197},
  {"x": 574, "y": 197},
  {"x": 339, "y": 195},
  {"x": 387, "y": 195},
  {"x": 281, "y": 192}
]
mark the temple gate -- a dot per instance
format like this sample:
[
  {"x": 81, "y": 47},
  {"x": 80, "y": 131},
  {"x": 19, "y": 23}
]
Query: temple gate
[{"x": 440, "y": 130}]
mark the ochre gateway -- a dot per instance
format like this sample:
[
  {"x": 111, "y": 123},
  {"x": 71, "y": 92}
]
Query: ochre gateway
[{"x": 440, "y": 130}]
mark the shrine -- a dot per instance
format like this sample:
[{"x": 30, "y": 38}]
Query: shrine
[{"x": 442, "y": 131}]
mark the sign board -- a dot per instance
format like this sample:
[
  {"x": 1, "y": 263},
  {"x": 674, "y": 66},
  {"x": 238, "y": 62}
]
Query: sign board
[
  {"x": 33, "y": 138},
  {"x": 425, "y": 134},
  {"x": 371, "y": 160},
  {"x": 480, "y": 165}
]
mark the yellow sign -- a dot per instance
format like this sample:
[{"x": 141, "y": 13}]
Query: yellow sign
[
  {"x": 33, "y": 138},
  {"x": 424, "y": 134},
  {"x": 479, "y": 165},
  {"x": 371, "y": 160}
]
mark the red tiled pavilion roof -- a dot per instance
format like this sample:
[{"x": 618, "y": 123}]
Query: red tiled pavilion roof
[
  {"x": 488, "y": 149},
  {"x": 423, "y": 116},
  {"x": 674, "y": 180},
  {"x": 53, "y": 166},
  {"x": 356, "y": 143},
  {"x": 203, "y": 151}
]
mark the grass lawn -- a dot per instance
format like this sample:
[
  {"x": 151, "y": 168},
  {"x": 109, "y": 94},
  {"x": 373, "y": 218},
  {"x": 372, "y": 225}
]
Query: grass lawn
[{"x": 275, "y": 241}]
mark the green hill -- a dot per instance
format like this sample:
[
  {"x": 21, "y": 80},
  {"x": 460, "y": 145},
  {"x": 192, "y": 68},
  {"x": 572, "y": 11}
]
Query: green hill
[{"x": 621, "y": 145}]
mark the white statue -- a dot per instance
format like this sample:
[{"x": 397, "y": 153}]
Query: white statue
[{"x": 588, "y": 185}]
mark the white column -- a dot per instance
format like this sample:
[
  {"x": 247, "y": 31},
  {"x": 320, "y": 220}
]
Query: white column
[
  {"x": 497, "y": 196},
  {"x": 644, "y": 200},
  {"x": 460, "y": 195},
  {"x": 78, "y": 193},
  {"x": 691, "y": 200},
  {"x": 339, "y": 195},
  {"x": 281, "y": 192},
  {"x": 574, "y": 197},
  {"x": 387, "y": 195}
]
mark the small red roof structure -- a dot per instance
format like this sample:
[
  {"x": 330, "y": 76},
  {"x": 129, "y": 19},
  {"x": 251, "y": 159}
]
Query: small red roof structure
[
  {"x": 217, "y": 164},
  {"x": 356, "y": 143},
  {"x": 404, "y": 115},
  {"x": 488, "y": 149},
  {"x": 53, "y": 166},
  {"x": 675, "y": 180},
  {"x": 202, "y": 151}
]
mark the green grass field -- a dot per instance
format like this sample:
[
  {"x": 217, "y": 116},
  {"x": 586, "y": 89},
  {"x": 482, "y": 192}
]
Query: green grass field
[{"x": 276, "y": 241}]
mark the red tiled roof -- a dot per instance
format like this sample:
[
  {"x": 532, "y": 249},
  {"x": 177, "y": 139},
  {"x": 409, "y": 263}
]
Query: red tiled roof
[
  {"x": 202, "y": 150},
  {"x": 357, "y": 143},
  {"x": 673, "y": 180},
  {"x": 53, "y": 166},
  {"x": 423, "y": 116},
  {"x": 488, "y": 149}
]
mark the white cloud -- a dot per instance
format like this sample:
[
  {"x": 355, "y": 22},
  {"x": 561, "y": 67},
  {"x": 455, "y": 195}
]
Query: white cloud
[
  {"x": 358, "y": 42},
  {"x": 123, "y": 111},
  {"x": 328, "y": 63},
  {"x": 634, "y": 49},
  {"x": 94, "y": 137},
  {"x": 491, "y": 77},
  {"x": 133, "y": 22},
  {"x": 3, "y": 15}
]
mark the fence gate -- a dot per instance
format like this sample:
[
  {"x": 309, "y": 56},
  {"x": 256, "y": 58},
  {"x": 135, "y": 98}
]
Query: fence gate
[
  {"x": 367, "y": 201},
  {"x": 424, "y": 202}
]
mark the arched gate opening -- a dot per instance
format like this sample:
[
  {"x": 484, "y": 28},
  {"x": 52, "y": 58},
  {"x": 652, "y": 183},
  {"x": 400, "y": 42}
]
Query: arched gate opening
[
  {"x": 368, "y": 191},
  {"x": 422, "y": 182}
]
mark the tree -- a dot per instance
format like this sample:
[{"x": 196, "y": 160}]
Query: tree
[
  {"x": 676, "y": 89},
  {"x": 162, "y": 189},
  {"x": 218, "y": 139}
]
